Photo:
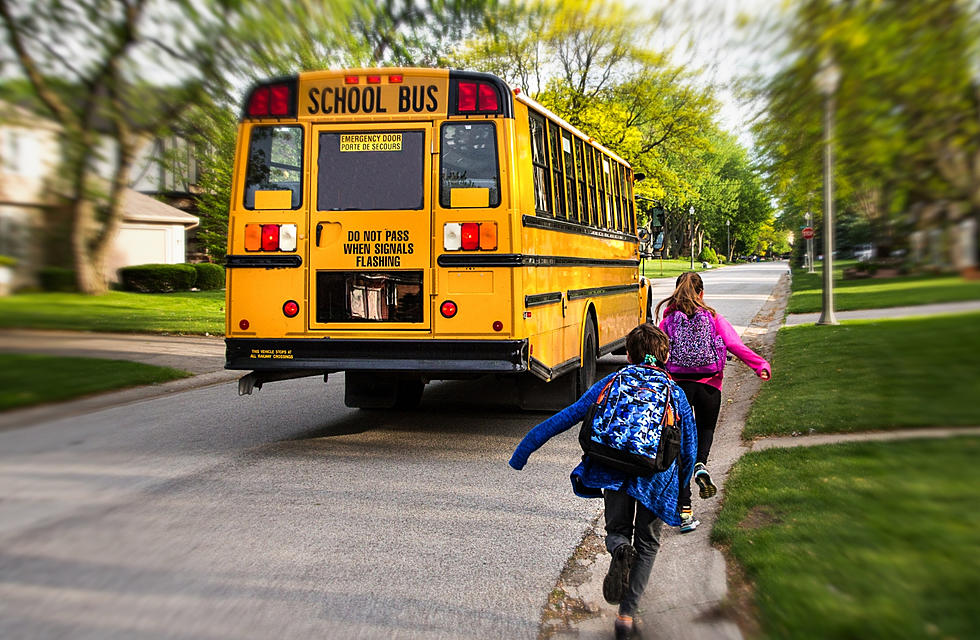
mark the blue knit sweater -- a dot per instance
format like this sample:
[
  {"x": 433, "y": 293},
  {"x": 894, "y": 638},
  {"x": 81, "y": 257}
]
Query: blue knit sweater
[{"x": 658, "y": 492}]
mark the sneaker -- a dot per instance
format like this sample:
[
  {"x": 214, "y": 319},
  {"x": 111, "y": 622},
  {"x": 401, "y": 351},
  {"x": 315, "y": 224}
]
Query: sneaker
[
  {"x": 706, "y": 488},
  {"x": 689, "y": 522},
  {"x": 618, "y": 579},
  {"x": 623, "y": 628}
]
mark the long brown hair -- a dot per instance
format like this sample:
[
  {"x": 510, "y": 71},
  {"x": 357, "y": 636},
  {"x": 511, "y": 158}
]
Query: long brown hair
[{"x": 686, "y": 296}]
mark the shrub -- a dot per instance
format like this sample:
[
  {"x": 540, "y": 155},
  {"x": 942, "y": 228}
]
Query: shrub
[
  {"x": 209, "y": 276},
  {"x": 58, "y": 279},
  {"x": 708, "y": 255},
  {"x": 158, "y": 278},
  {"x": 7, "y": 261}
]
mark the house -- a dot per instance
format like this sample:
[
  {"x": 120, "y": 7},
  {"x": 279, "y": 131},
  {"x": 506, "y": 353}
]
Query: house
[{"x": 30, "y": 151}]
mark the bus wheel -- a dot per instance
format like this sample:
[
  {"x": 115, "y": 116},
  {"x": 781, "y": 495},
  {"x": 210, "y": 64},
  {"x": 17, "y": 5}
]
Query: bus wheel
[{"x": 585, "y": 376}]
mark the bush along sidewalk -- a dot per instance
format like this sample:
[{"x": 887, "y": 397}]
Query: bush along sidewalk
[{"x": 167, "y": 278}]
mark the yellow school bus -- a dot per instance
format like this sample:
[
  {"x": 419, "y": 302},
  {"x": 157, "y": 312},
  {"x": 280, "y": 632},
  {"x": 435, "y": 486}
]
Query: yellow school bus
[{"x": 407, "y": 225}]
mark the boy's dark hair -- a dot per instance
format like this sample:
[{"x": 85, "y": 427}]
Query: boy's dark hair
[{"x": 647, "y": 339}]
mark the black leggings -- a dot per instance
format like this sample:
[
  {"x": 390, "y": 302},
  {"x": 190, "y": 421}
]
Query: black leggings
[{"x": 706, "y": 402}]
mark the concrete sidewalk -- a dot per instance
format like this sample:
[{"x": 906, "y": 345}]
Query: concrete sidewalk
[{"x": 894, "y": 312}]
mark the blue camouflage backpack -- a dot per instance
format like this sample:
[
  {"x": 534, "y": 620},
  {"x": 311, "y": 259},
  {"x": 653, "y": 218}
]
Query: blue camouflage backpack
[{"x": 632, "y": 426}]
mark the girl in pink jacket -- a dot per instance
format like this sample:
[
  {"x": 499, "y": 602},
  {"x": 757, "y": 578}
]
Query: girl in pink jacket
[{"x": 700, "y": 339}]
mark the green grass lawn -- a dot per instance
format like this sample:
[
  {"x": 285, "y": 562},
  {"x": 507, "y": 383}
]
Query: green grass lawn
[
  {"x": 195, "y": 312},
  {"x": 867, "y": 540},
  {"x": 671, "y": 268},
  {"x": 863, "y": 374},
  {"x": 27, "y": 380},
  {"x": 879, "y": 293}
]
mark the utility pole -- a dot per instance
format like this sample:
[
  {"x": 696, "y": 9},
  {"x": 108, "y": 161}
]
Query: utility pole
[
  {"x": 728, "y": 240},
  {"x": 809, "y": 243}
]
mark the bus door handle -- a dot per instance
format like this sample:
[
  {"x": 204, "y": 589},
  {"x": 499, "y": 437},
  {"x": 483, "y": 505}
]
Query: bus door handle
[
  {"x": 319, "y": 231},
  {"x": 564, "y": 304}
]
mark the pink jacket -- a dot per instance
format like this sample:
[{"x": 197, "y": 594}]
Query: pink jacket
[{"x": 732, "y": 343}]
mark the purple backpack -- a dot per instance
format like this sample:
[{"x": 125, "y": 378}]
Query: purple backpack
[{"x": 695, "y": 346}]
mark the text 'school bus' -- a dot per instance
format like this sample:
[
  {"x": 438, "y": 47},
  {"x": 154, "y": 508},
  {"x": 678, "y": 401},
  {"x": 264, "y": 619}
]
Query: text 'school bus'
[{"x": 406, "y": 225}]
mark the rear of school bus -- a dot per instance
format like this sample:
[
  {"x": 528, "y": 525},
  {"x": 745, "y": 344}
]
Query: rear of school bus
[{"x": 371, "y": 232}]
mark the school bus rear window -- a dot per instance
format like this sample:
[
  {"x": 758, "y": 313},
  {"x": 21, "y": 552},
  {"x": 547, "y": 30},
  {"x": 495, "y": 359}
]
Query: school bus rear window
[
  {"x": 370, "y": 171},
  {"x": 275, "y": 163}
]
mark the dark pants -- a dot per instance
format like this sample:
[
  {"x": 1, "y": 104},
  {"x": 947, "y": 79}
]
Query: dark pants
[
  {"x": 706, "y": 402},
  {"x": 629, "y": 521}
]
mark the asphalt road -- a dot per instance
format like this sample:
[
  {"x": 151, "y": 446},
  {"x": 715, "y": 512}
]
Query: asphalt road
[{"x": 286, "y": 515}]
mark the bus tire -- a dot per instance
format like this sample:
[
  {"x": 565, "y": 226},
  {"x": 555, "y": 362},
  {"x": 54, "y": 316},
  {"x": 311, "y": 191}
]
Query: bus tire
[{"x": 585, "y": 375}]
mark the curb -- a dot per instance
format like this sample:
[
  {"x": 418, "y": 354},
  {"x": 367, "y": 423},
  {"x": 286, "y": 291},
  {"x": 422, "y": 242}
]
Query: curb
[{"x": 26, "y": 417}]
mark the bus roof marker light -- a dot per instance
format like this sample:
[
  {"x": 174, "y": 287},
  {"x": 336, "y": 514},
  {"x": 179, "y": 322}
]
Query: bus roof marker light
[
  {"x": 287, "y": 237},
  {"x": 451, "y": 236},
  {"x": 488, "y": 98},
  {"x": 270, "y": 237},
  {"x": 448, "y": 309},
  {"x": 351, "y": 79},
  {"x": 258, "y": 104},
  {"x": 279, "y": 100},
  {"x": 395, "y": 79},
  {"x": 466, "y": 96},
  {"x": 470, "y": 237},
  {"x": 374, "y": 79}
]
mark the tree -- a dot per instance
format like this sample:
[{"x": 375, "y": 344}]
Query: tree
[{"x": 98, "y": 48}]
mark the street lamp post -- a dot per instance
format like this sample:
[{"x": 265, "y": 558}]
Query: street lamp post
[
  {"x": 827, "y": 81},
  {"x": 728, "y": 239},
  {"x": 692, "y": 238}
]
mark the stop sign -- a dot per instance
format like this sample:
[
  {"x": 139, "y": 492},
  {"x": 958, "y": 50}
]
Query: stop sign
[{"x": 807, "y": 233}]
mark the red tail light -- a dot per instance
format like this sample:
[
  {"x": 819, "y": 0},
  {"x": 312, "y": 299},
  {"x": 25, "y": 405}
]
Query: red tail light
[
  {"x": 279, "y": 100},
  {"x": 259, "y": 104},
  {"x": 270, "y": 237},
  {"x": 467, "y": 96},
  {"x": 448, "y": 309},
  {"x": 488, "y": 98},
  {"x": 243, "y": 325},
  {"x": 470, "y": 236},
  {"x": 290, "y": 309},
  {"x": 498, "y": 325}
]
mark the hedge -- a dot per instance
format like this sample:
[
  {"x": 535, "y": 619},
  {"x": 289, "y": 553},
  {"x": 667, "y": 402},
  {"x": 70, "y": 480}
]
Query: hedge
[
  {"x": 209, "y": 276},
  {"x": 58, "y": 279},
  {"x": 158, "y": 278}
]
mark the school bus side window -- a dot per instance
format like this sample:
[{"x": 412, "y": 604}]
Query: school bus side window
[
  {"x": 275, "y": 163},
  {"x": 539, "y": 160},
  {"x": 468, "y": 160}
]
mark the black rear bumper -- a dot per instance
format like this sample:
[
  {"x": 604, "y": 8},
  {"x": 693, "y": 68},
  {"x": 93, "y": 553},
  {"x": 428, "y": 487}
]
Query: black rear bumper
[{"x": 331, "y": 354}]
